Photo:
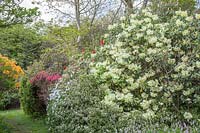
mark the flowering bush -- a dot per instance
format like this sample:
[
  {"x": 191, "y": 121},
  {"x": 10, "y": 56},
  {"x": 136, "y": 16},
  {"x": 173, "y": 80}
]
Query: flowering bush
[
  {"x": 44, "y": 77},
  {"x": 151, "y": 68},
  {"x": 34, "y": 93},
  {"x": 9, "y": 73},
  {"x": 75, "y": 106},
  {"x": 69, "y": 108}
]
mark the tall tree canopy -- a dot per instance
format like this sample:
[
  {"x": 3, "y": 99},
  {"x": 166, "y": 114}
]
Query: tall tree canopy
[
  {"x": 20, "y": 43},
  {"x": 12, "y": 13}
]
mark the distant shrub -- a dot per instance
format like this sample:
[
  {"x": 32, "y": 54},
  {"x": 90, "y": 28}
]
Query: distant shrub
[
  {"x": 34, "y": 93},
  {"x": 9, "y": 99},
  {"x": 9, "y": 73}
]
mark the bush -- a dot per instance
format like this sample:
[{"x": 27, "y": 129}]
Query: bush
[
  {"x": 21, "y": 43},
  {"x": 52, "y": 60},
  {"x": 152, "y": 68},
  {"x": 9, "y": 83},
  {"x": 9, "y": 74},
  {"x": 34, "y": 93},
  {"x": 9, "y": 100},
  {"x": 28, "y": 99},
  {"x": 169, "y": 7},
  {"x": 76, "y": 106},
  {"x": 70, "y": 107}
]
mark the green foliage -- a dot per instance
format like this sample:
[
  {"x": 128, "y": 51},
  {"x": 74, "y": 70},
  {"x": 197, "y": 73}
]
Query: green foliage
[
  {"x": 17, "y": 121},
  {"x": 166, "y": 8},
  {"x": 29, "y": 100},
  {"x": 69, "y": 108},
  {"x": 151, "y": 68},
  {"x": 9, "y": 99},
  {"x": 75, "y": 106},
  {"x": 4, "y": 128},
  {"x": 20, "y": 43},
  {"x": 57, "y": 48},
  {"x": 52, "y": 60},
  {"x": 12, "y": 13}
]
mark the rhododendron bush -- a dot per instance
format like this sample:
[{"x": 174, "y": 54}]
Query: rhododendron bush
[
  {"x": 34, "y": 92},
  {"x": 9, "y": 73},
  {"x": 151, "y": 68}
]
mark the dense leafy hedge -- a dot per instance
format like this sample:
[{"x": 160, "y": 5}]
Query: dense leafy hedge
[
  {"x": 152, "y": 68},
  {"x": 70, "y": 107},
  {"x": 75, "y": 106},
  {"x": 29, "y": 100}
]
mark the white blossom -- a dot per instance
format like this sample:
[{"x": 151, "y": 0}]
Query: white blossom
[
  {"x": 187, "y": 115},
  {"x": 153, "y": 40},
  {"x": 197, "y": 16}
]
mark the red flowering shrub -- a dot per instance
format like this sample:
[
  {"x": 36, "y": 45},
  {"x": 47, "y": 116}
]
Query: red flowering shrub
[
  {"x": 42, "y": 81},
  {"x": 34, "y": 93},
  {"x": 44, "y": 78}
]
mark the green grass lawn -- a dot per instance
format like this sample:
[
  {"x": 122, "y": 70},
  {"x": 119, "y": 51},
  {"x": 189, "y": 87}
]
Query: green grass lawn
[{"x": 15, "y": 121}]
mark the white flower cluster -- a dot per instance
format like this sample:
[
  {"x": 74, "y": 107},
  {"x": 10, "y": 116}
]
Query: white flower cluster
[{"x": 149, "y": 63}]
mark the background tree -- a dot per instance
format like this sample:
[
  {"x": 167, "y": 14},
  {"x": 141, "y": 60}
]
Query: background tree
[
  {"x": 129, "y": 5},
  {"x": 84, "y": 12},
  {"x": 11, "y": 13},
  {"x": 166, "y": 8},
  {"x": 20, "y": 43}
]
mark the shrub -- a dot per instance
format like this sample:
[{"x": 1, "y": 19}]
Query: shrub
[
  {"x": 9, "y": 73},
  {"x": 34, "y": 93},
  {"x": 76, "y": 106},
  {"x": 169, "y": 7},
  {"x": 21, "y": 43},
  {"x": 9, "y": 82},
  {"x": 70, "y": 107},
  {"x": 9, "y": 99},
  {"x": 52, "y": 60},
  {"x": 152, "y": 68}
]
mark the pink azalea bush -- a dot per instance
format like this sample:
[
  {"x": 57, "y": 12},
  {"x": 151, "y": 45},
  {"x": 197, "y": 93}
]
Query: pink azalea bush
[{"x": 35, "y": 92}]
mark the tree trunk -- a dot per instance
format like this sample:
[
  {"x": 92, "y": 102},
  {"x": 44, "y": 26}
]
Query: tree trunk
[
  {"x": 145, "y": 2},
  {"x": 78, "y": 21},
  {"x": 129, "y": 5}
]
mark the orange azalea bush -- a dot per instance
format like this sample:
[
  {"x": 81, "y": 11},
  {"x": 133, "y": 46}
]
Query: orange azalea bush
[{"x": 9, "y": 73}]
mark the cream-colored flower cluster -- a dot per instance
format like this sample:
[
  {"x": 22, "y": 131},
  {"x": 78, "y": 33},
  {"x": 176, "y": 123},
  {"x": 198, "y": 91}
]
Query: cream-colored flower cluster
[{"x": 149, "y": 65}]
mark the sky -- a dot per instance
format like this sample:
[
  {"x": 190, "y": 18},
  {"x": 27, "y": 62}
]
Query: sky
[
  {"x": 42, "y": 8},
  {"x": 46, "y": 13}
]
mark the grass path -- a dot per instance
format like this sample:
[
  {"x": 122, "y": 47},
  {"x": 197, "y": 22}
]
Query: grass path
[{"x": 18, "y": 122}]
